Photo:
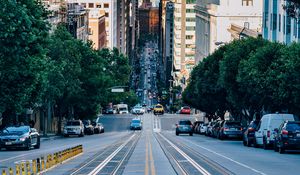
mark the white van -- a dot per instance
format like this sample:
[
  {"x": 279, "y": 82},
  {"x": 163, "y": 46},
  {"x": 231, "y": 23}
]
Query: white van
[{"x": 264, "y": 134}]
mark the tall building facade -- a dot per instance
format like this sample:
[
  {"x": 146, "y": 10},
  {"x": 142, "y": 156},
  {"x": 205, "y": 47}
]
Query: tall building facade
[
  {"x": 217, "y": 20},
  {"x": 168, "y": 42},
  {"x": 184, "y": 40},
  {"x": 97, "y": 32},
  {"x": 277, "y": 25},
  {"x": 109, "y": 8}
]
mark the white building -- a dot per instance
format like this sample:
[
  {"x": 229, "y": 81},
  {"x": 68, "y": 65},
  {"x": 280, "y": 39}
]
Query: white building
[
  {"x": 109, "y": 8},
  {"x": 277, "y": 25},
  {"x": 184, "y": 40},
  {"x": 216, "y": 18}
]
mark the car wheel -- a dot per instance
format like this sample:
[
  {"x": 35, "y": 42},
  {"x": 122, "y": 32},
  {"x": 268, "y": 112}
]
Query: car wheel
[
  {"x": 66, "y": 135},
  {"x": 248, "y": 143},
  {"x": 103, "y": 131},
  {"x": 191, "y": 134},
  {"x": 38, "y": 144},
  {"x": 265, "y": 146},
  {"x": 255, "y": 144},
  {"x": 28, "y": 146},
  {"x": 281, "y": 150},
  {"x": 81, "y": 134}
]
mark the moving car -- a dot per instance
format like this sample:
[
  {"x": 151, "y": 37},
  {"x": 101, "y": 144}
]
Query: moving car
[
  {"x": 265, "y": 131},
  {"x": 158, "y": 109},
  {"x": 74, "y": 127},
  {"x": 249, "y": 134},
  {"x": 185, "y": 110},
  {"x": 136, "y": 124},
  {"x": 139, "y": 110},
  {"x": 184, "y": 127},
  {"x": 287, "y": 136},
  {"x": 230, "y": 129},
  {"x": 88, "y": 127},
  {"x": 19, "y": 137}
]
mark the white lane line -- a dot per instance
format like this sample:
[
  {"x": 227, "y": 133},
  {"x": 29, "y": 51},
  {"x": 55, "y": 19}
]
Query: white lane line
[
  {"x": 105, "y": 162},
  {"x": 188, "y": 158},
  {"x": 225, "y": 157}
]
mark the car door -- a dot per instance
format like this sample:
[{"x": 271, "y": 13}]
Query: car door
[{"x": 259, "y": 134}]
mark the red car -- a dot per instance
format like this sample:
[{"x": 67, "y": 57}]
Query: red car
[{"x": 185, "y": 110}]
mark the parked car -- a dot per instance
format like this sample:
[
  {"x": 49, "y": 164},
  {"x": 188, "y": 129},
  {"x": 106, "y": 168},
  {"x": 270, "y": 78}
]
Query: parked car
[
  {"x": 249, "y": 133},
  {"x": 74, "y": 127},
  {"x": 203, "y": 128},
  {"x": 185, "y": 110},
  {"x": 109, "y": 111},
  {"x": 196, "y": 126},
  {"x": 88, "y": 127},
  {"x": 215, "y": 128},
  {"x": 287, "y": 136},
  {"x": 208, "y": 131},
  {"x": 265, "y": 131},
  {"x": 184, "y": 126},
  {"x": 136, "y": 124},
  {"x": 230, "y": 129},
  {"x": 158, "y": 109},
  {"x": 98, "y": 127},
  {"x": 19, "y": 137}
]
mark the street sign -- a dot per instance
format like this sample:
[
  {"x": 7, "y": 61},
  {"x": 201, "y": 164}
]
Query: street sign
[{"x": 117, "y": 90}]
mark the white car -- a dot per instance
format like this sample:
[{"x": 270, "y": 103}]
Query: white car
[
  {"x": 266, "y": 128},
  {"x": 138, "y": 110},
  {"x": 74, "y": 127}
]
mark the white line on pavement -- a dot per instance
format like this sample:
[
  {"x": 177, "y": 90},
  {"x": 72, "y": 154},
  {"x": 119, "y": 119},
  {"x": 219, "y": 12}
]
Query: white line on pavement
[
  {"x": 102, "y": 164},
  {"x": 188, "y": 158},
  {"x": 241, "y": 164}
]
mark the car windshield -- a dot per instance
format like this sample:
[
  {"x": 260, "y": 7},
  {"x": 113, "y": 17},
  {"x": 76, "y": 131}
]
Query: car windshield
[
  {"x": 158, "y": 106},
  {"x": 123, "y": 109},
  {"x": 138, "y": 107},
  {"x": 293, "y": 126},
  {"x": 186, "y": 107},
  {"x": 16, "y": 130},
  {"x": 185, "y": 122},
  {"x": 73, "y": 123},
  {"x": 233, "y": 124},
  {"x": 136, "y": 121}
]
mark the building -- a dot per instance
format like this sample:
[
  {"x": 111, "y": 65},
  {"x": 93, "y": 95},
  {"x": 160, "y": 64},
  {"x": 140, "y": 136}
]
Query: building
[
  {"x": 221, "y": 21},
  {"x": 97, "y": 31},
  {"x": 144, "y": 20},
  {"x": 109, "y": 8},
  {"x": 154, "y": 20},
  {"x": 184, "y": 40},
  {"x": 168, "y": 42},
  {"x": 277, "y": 25},
  {"x": 77, "y": 21},
  {"x": 57, "y": 13}
]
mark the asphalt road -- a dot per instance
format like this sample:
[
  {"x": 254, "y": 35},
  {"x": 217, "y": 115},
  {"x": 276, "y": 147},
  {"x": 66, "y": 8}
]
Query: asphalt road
[{"x": 156, "y": 150}]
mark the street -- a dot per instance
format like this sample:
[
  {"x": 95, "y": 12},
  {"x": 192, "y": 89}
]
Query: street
[{"x": 156, "y": 150}]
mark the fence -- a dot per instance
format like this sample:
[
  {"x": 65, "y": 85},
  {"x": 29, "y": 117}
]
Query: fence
[{"x": 41, "y": 164}]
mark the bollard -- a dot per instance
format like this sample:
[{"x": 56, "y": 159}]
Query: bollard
[
  {"x": 34, "y": 167},
  {"x": 3, "y": 172},
  {"x": 38, "y": 165},
  {"x": 17, "y": 169},
  {"x": 54, "y": 158},
  {"x": 42, "y": 164},
  {"x": 28, "y": 170},
  {"x": 11, "y": 172},
  {"x": 23, "y": 168}
]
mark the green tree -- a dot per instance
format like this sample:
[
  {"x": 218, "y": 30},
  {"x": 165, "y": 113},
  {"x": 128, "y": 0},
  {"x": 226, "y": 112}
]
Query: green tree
[
  {"x": 23, "y": 39},
  {"x": 292, "y": 8}
]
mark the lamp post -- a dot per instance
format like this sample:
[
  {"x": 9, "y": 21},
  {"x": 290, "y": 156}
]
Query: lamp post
[{"x": 171, "y": 95}]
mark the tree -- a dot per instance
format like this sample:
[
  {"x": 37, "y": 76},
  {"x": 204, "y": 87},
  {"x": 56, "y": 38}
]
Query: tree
[
  {"x": 292, "y": 8},
  {"x": 23, "y": 39}
]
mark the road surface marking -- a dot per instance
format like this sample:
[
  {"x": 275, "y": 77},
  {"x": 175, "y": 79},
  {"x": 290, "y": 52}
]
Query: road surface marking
[
  {"x": 147, "y": 159},
  {"x": 221, "y": 155},
  {"x": 195, "y": 164},
  {"x": 108, "y": 159},
  {"x": 151, "y": 159}
]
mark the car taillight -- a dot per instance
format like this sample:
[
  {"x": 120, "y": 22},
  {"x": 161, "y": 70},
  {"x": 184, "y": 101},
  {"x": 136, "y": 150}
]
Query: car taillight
[
  {"x": 225, "y": 129},
  {"x": 241, "y": 129},
  {"x": 251, "y": 129},
  {"x": 284, "y": 132},
  {"x": 191, "y": 126},
  {"x": 268, "y": 133}
]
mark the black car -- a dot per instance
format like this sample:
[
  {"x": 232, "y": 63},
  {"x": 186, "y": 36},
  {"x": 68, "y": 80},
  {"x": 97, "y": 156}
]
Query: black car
[
  {"x": 19, "y": 137},
  {"x": 249, "y": 133},
  {"x": 287, "y": 136},
  {"x": 230, "y": 129},
  {"x": 88, "y": 127},
  {"x": 185, "y": 127}
]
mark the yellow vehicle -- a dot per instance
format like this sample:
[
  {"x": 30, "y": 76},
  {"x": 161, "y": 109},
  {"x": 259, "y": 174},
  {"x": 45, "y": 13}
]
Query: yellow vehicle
[{"x": 158, "y": 109}]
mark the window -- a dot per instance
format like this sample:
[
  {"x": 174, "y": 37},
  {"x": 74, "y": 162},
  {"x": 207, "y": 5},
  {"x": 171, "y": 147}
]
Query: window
[
  {"x": 299, "y": 29},
  {"x": 91, "y": 5},
  {"x": 83, "y": 4},
  {"x": 190, "y": 20},
  {"x": 106, "y": 14},
  {"x": 189, "y": 37},
  {"x": 247, "y": 2},
  {"x": 279, "y": 23},
  {"x": 284, "y": 24},
  {"x": 98, "y": 5},
  {"x": 190, "y": 28},
  {"x": 295, "y": 27},
  {"x": 274, "y": 21},
  {"x": 90, "y": 31},
  {"x": 288, "y": 25},
  {"x": 190, "y": 10},
  {"x": 106, "y": 5}
]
